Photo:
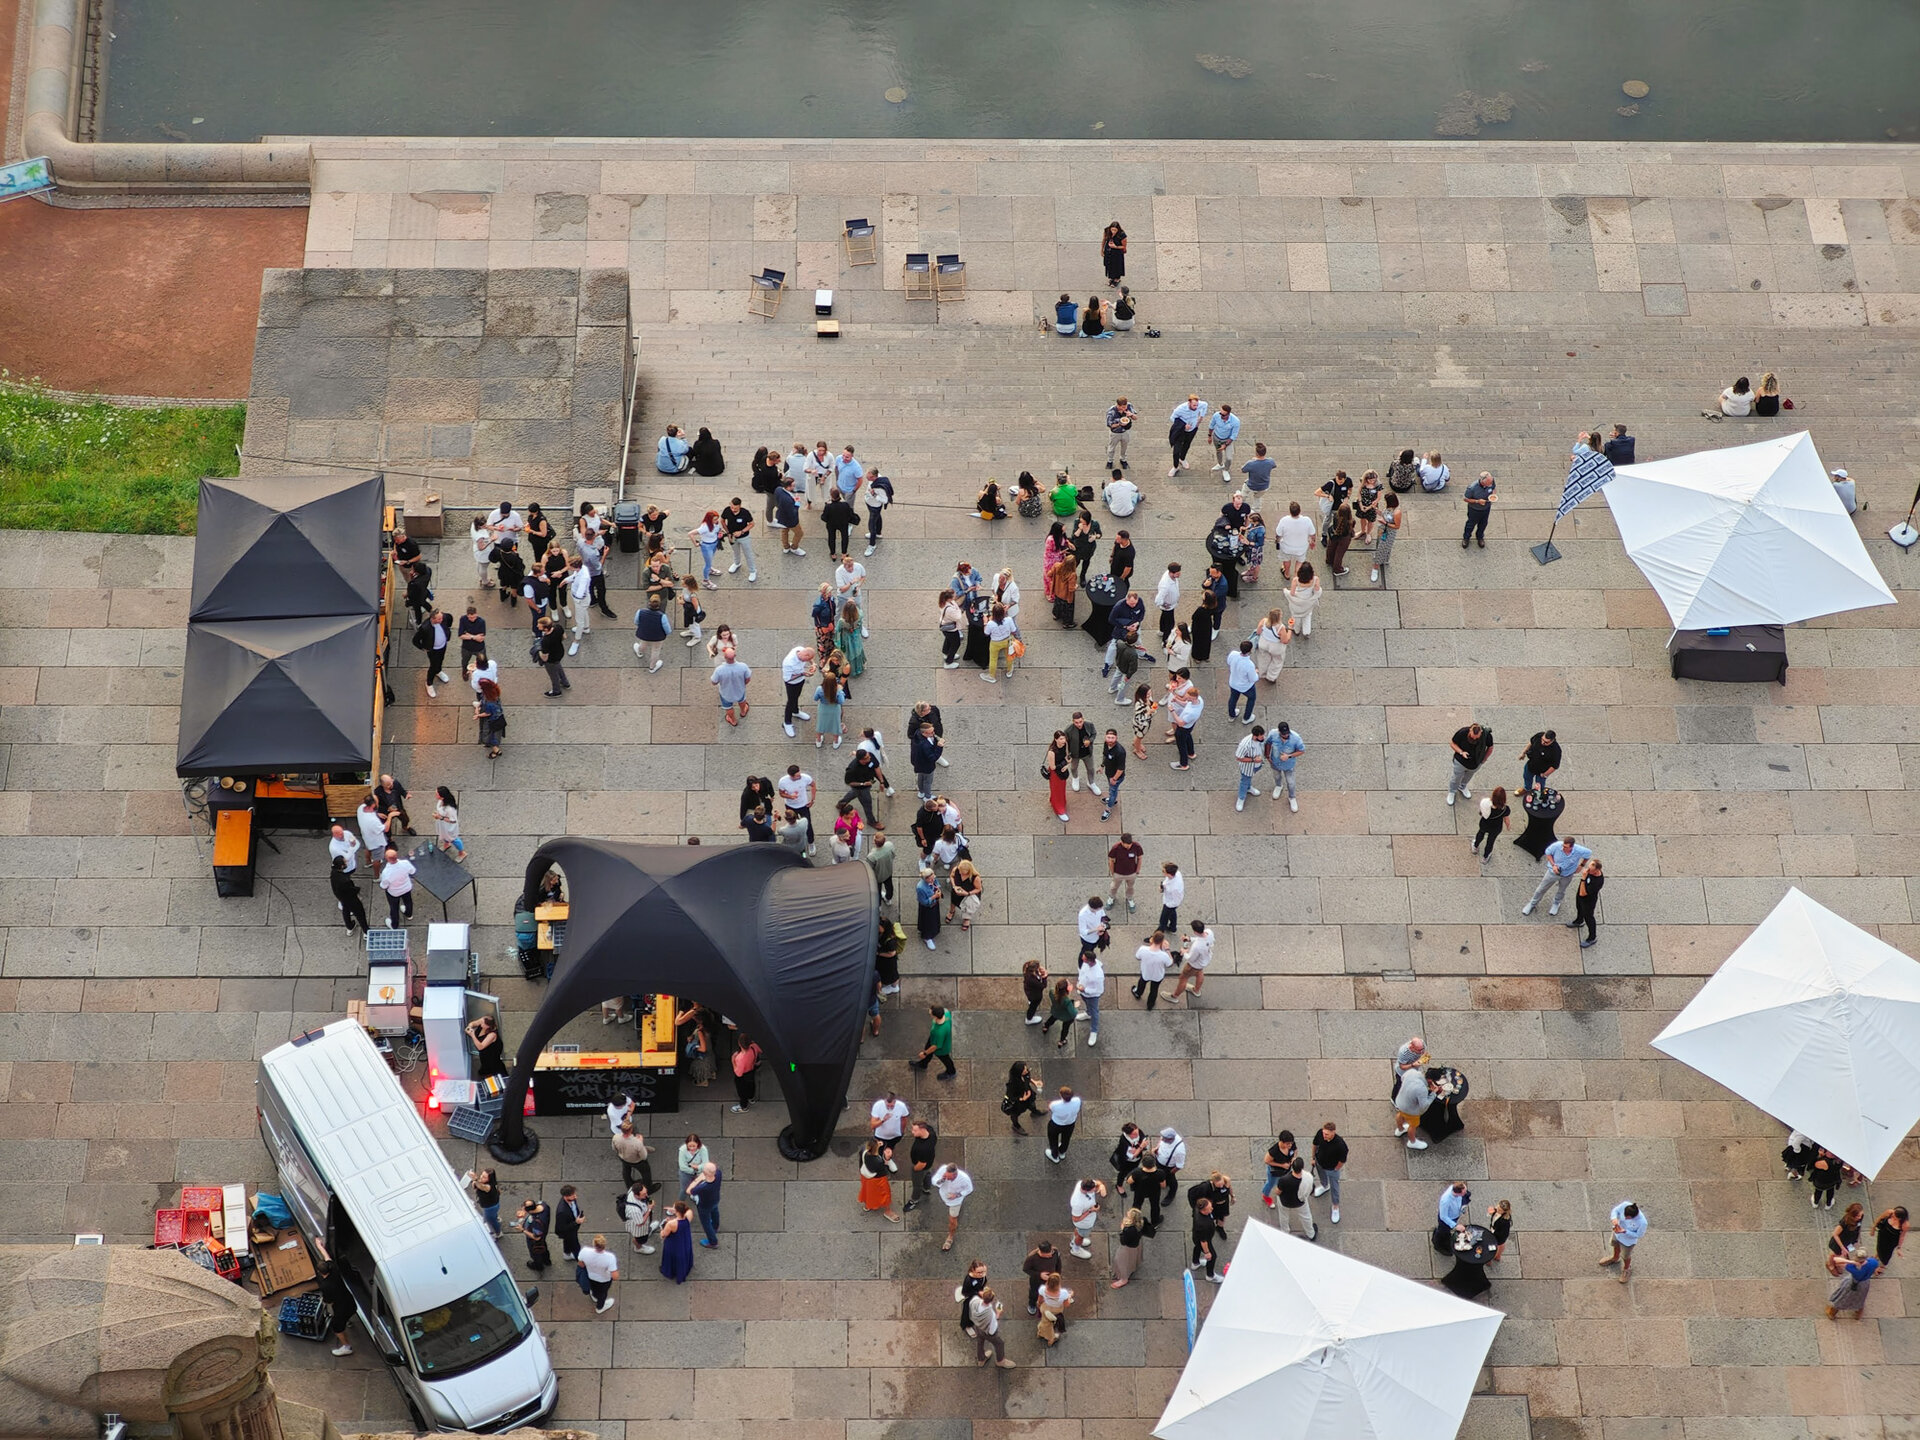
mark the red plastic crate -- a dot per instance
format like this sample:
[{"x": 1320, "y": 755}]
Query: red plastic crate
[
  {"x": 180, "y": 1227},
  {"x": 210, "y": 1198}
]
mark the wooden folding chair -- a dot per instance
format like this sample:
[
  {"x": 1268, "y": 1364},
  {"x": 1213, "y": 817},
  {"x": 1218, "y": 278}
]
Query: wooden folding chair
[
  {"x": 917, "y": 275},
  {"x": 863, "y": 242},
  {"x": 764, "y": 291},
  {"x": 949, "y": 278}
]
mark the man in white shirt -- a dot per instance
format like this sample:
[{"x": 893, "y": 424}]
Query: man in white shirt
[
  {"x": 1173, "y": 889},
  {"x": 795, "y": 788},
  {"x": 619, "y": 1109},
  {"x": 1093, "y": 925},
  {"x": 954, "y": 1185},
  {"x": 476, "y": 672},
  {"x": 794, "y": 671},
  {"x": 1170, "y": 1154},
  {"x": 1293, "y": 539},
  {"x": 849, "y": 587},
  {"x": 343, "y": 846},
  {"x": 506, "y": 523},
  {"x": 1121, "y": 494},
  {"x": 1063, "y": 1113},
  {"x": 1193, "y": 963},
  {"x": 1242, "y": 676},
  {"x": 820, "y": 465},
  {"x": 888, "y": 1119},
  {"x": 1186, "y": 715},
  {"x": 1084, "y": 1208},
  {"x": 1629, "y": 1224},
  {"x": 580, "y": 587},
  {"x": 1166, "y": 595},
  {"x": 603, "y": 1268},
  {"x": 1154, "y": 958},
  {"x": 396, "y": 878}
]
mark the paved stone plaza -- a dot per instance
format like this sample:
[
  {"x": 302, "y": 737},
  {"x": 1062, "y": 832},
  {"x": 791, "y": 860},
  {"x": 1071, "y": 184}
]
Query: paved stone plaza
[{"x": 136, "y": 1001}]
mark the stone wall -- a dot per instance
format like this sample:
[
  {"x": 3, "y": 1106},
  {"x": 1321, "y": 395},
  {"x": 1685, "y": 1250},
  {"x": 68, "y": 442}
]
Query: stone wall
[{"x": 491, "y": 383}]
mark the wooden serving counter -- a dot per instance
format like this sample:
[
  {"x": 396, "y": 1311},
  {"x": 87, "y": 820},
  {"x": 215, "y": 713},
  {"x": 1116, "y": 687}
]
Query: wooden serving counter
[{"x": 572, "y": 1082}]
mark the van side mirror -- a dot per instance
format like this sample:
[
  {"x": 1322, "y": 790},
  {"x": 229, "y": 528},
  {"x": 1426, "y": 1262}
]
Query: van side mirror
[
  {"x": 531, "y": 1296},
  {"x": 392, "y": 1357}
]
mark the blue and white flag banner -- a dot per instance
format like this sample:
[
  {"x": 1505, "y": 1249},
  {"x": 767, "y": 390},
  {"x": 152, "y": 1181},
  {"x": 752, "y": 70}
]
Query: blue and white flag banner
[{"x": 1589, "y": 471}]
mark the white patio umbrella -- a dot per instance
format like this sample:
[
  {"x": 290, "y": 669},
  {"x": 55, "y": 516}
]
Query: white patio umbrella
[
  {"x": 1816, "y": 1022},
  {"x": 1304, "y": 1344},
  {"x": 1751, "y": 535}
]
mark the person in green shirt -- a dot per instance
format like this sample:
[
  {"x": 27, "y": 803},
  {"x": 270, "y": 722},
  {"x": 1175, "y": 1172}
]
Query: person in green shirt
[
  {"x": 939, "y": 1042},
  {"x": 1065, "y": 497}
]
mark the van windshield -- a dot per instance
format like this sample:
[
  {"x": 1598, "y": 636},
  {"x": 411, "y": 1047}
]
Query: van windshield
[{"x": 468, "y": 1332}]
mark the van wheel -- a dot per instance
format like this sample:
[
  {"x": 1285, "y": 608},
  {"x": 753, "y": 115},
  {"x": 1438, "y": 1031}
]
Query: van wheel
[{"x": 420, "y": 1426}]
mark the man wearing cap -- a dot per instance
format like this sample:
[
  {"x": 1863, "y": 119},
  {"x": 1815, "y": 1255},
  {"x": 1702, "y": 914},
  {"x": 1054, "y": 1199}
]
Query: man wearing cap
[
  {"x": 1843, "y": 487},
  {"x": 1629, "y": 1224},
  {"x": 1169, "y": 1155}
]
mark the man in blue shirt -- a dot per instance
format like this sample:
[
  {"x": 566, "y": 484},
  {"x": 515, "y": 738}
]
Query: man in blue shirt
[
  {"x": 674, "y": 457},
  {"x": 1629, "y": 1224},
  {"x": 1453, "y": 1205},
  {"x": 1224, "y": 430},
  {"x": 1259, "y": 470},
  {"x": 1565, "y": 862},
  {"x": 849, "y": 474},
  {"x": 1284, "y": 749},
  {"x": 1183, "y": 425}
]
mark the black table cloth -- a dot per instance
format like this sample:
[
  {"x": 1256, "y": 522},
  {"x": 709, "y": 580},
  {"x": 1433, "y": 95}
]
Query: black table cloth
[
  {"x": 1745, "y": 653},
  {"x": 1542, "y": 809}
]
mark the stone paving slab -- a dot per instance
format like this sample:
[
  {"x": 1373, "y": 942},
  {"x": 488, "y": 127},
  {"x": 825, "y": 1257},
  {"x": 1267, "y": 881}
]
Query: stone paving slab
[{"x": 133, "y": 1002}]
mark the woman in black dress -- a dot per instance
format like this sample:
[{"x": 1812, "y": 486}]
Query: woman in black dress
[
  {"x": 1021, "y": 1092},
  {"x": 1085, "y": 541},
  {"x": 1845, "y": 1236},
  {"x": 539, "y": 532},
  {"x": 1113, "y": 252},
  {"x": 707, "y": 459},
  {"x": 886, "y": 958},
  {"x": 1889, "y": 1234},
  {"x": 1203, "y": 627}
]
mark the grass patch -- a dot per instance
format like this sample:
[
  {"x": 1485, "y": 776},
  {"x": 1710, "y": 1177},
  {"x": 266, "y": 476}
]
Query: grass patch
[{"x": 80, "y": 465}]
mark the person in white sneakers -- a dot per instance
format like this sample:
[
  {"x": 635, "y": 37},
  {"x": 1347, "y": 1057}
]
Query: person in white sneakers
[
  {"x": 603, "y": 1268},
  {"x": 1193, "y": 963},
  {"x": 1223, "y": 430},
  {"x": 1251, "y": 754},
  {"x": 1410, "y": 1102},
  {"x": 794, "y": 671},
  {"x": 1242, "y": 676},
  {"x": 1329, "y": 1159},
  {"x": 1564, "y": 863},
  {"x": 1294, "y": 1202},
  {"x": 580, "y": 587},
  {"x": 886, "y": 1121},
  {"x": 651, "y": 628},
  {"x": 1084, "y": 1207},
  {"x": 1472, "y": 744},
  {"x": 1093, "y": 984},
  {"x": 1154, "y": 958},
  {"x": 1284, "y": 749},
  {"x": 1183, "y": 425},
  {"x": 396, "y": 878}
]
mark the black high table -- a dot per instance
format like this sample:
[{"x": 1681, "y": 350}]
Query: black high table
[
  {"x": 1473, "y": 1247},
  {"x": 1443, "y": 1116},
  {"x": 1542, "y": 809},
  {"x": 441, "y": 876},
  {"x": 1743, "y": 653}
]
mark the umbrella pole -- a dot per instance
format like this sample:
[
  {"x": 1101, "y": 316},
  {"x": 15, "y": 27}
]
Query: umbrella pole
[
  {"x": 1903, "y": 534},
  {"x": 1544, "y": 551}
]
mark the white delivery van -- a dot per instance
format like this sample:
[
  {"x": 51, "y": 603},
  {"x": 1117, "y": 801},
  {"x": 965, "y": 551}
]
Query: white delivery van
[{"x": 366, "y": 1181}]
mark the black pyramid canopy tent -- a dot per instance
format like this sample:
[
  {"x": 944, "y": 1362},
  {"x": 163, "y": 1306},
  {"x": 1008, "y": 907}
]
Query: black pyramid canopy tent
[
  {"x": 266, "y": 697},
  {"x": 784, "y": 949},
  {"x": 268, "y": 549}
]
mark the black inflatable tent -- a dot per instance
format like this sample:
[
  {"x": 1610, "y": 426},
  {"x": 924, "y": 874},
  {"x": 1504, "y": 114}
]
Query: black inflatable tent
[{"x": 784, "y": 949}]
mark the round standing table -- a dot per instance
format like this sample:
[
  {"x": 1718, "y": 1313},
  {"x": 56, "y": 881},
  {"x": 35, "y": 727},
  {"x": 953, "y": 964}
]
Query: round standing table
[
  {"x": 1542, "y": 808},
  {"x": 1473, "y": 1247}
]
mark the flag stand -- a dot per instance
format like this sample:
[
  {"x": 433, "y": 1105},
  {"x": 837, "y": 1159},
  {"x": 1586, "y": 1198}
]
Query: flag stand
[
  {"x": 1903, "y": 534},
  {"x": 1545, "y": 552}
]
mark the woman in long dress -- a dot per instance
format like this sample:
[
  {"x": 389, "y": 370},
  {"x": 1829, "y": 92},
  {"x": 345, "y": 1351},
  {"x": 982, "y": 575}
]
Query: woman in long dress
[
  {"x": 876, "y": 1185},
  {"x": 1850, "y": 1291},
  {"x": 926, "y": 897},
  {"x": 676, "y": 1243},
  {"x": 1113, "y": 252},
  {"x": 848, "y": 640},
  {"x": 1126, "y": 1248},
  {"x": 1302, "y": 597}
]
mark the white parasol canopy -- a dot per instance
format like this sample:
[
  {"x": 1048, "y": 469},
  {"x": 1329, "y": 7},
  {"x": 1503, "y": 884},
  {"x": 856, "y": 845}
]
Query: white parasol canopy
[
  {"x": 1304, "y": 1344},
  {"x": 1817, "y": 1023},
  {"x": 1752, "y": 535}
]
